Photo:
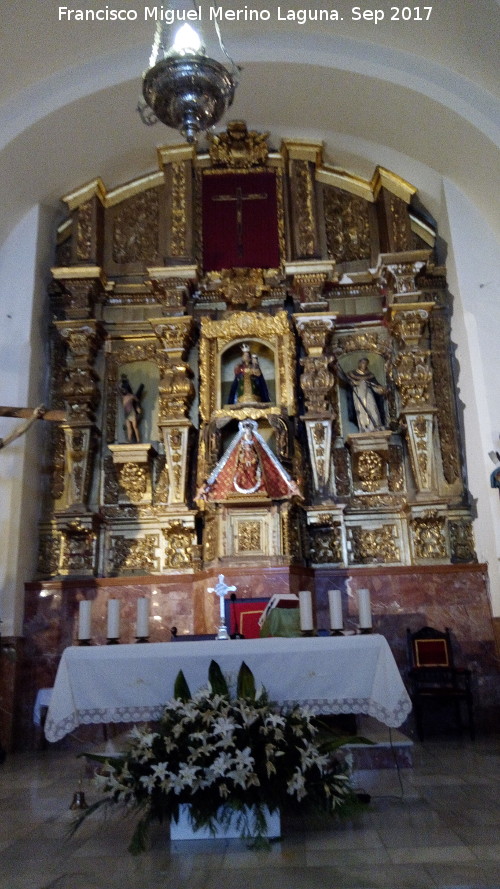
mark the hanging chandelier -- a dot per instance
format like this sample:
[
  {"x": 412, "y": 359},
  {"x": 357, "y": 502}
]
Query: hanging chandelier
[{"x": 183, "y": 87}]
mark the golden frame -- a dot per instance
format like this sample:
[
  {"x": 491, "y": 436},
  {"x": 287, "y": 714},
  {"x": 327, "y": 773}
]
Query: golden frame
[{"x": 274, "y": 332}]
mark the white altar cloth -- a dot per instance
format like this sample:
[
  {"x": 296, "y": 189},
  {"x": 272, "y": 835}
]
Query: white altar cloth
[{"x": 132, "y": 683}]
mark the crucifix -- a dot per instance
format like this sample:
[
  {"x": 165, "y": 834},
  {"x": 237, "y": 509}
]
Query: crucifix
[
  {"x": 221, "y": 589},
  {"x": 238, "y": 198},
  {"x": 30, "y": 415}
]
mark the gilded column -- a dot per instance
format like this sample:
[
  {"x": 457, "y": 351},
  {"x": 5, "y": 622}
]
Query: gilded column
[
  {"x": 303, "y": 158},
  {"x": 414, "y": 381},
  {"x": 317, "y": 382},
  {"x": 176, "y": 391}
]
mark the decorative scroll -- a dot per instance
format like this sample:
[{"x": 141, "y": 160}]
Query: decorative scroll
[
  {"x": 373, "y": 545},
  {"x": 133, "y": 554},
  {"x": 429, "y": 536},
  {"x": 400, "y": 233},
  {"x": 462, "y": 541},
  {"x": 326, "y": 545},
  {"x": 238, "y": 147},
  {"x": 178, "y": 243},
  {"x": 135, "y": 229},
  {"x": 84, "y": 232},
  {"x": 347, "y": 223},
  {"x": 178, "y": 546}
]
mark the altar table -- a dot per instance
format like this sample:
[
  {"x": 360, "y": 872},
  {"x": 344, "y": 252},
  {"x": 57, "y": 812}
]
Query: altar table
[{"x": 132, "y": 683}]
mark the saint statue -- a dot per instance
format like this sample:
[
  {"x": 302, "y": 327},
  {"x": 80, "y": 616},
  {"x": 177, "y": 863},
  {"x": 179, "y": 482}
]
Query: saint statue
[
  {"x": 132, "y": 409},
  {"x": 365, "y": 397},
  {"x": 249, "y": 384}
]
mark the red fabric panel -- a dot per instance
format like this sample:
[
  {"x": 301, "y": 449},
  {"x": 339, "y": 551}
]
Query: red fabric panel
[
  {"x": 431, "y": 653},
  {"x": 244, "y": 618},
  {"x": 241, "y": 230}
]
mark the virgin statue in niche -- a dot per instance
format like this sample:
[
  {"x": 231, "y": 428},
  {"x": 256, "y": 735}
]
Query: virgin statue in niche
[{"x": 249, "y": 384}]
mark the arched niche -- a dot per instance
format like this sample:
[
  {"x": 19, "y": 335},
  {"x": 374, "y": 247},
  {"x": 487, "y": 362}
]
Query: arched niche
[
  {"x": 348, "y": 363},
  {"x": 145, "y": 374},
  {"x": 230, "y": 361}
]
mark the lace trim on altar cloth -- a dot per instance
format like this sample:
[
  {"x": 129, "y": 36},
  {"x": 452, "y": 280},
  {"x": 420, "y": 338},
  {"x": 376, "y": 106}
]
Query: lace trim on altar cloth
[
  {"x": 95, "y": 715},
  {"x": 391, "y": 717}
]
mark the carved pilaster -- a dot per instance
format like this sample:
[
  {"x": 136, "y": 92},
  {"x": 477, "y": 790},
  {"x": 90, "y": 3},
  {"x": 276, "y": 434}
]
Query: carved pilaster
[
  {"x": 81, "y": 395},
  {"x": 308, "y": 280},
  {"x": 419, "y": 436},
  {"x": 79, "y": 454},
  {"x": 401, "y": 270},
  {"x": 176, "y": 388},
  {"x": 409, "y": 322},
  {"x": 319, "y": 439},
  {"x": 176, "y": 441},
  {"x": 413, "y": 377},
  {"x": 317, "y": 382},
  {"x": 172, "y": 286},
  {"x": 76, "y": 291}
]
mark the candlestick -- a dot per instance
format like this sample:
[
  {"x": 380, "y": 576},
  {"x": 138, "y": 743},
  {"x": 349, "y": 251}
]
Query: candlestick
[
  {"x": 142, "y": 626},
  {"x": 113, "y": 620},
  {"x": 84, "y": 621},
  {"x": 365, "y": 610},
  {"x": 306, "y": 613},
  {"x": 336, "y": 617}
]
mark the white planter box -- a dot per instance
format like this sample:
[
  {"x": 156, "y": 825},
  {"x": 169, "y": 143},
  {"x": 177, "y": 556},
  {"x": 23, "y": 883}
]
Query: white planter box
[{"x": 183, "y": 830}]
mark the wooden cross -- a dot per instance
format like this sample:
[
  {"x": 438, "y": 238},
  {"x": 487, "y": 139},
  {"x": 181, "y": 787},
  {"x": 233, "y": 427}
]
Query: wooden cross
[
  {"x": 30, "y": 415},
  {"x": 238, "y": 198}
]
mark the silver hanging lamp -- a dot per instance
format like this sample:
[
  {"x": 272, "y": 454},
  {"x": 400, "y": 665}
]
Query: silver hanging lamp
[{"x": 184, "y": 88}]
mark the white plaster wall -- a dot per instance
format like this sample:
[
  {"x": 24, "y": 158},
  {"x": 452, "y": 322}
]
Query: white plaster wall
[
  {"x": 24, "y": 268},
  {"x": 473, "y": 264}
]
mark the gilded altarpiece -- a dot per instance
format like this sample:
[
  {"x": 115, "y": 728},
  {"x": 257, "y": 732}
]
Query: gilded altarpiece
[{"x": 276, "y": 361}]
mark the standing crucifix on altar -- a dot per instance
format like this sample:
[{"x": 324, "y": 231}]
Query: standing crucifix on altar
[
  {"x": 240, "y": 220},
  {"x": 221, "y": 589}
]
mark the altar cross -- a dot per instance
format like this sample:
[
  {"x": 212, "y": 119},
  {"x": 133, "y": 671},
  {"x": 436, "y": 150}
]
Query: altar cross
[
  {"x": 238, "y": 198},
  {"x": 221, "y": 589}
]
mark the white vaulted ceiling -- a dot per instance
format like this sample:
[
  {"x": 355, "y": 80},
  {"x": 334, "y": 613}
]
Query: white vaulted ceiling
[{"x": 422, "y": 98}]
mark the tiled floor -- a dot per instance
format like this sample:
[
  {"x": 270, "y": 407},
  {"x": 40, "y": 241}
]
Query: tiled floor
[{"x": 437, "y": 825}]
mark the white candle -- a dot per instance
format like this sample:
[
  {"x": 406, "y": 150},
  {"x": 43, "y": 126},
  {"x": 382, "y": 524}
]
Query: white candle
[
  {"x": 335, "y": 603},
  {"x": 306, "y": 613},
  {"x": 84, "y": 619},
  {"x": 365, "y": 609},
  {"x": 113, "y": 618},
  {"x": 142, "y": 628}
]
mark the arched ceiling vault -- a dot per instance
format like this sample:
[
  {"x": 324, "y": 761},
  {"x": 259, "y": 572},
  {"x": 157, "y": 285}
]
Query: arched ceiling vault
[{"x": 423, "y": 101}]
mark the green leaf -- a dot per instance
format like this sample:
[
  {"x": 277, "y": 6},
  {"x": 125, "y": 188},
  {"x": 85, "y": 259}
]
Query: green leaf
[
  {"x": 246, "y": 683},
  {"x": 181, "y": 688},
  {"x": 216, "y": 679}
]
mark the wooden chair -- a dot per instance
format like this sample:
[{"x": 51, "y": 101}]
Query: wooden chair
[{"x": 434, "y": 677}]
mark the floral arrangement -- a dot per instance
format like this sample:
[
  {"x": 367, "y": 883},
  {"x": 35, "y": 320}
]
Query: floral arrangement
[{"x": 220, "y": 756}]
